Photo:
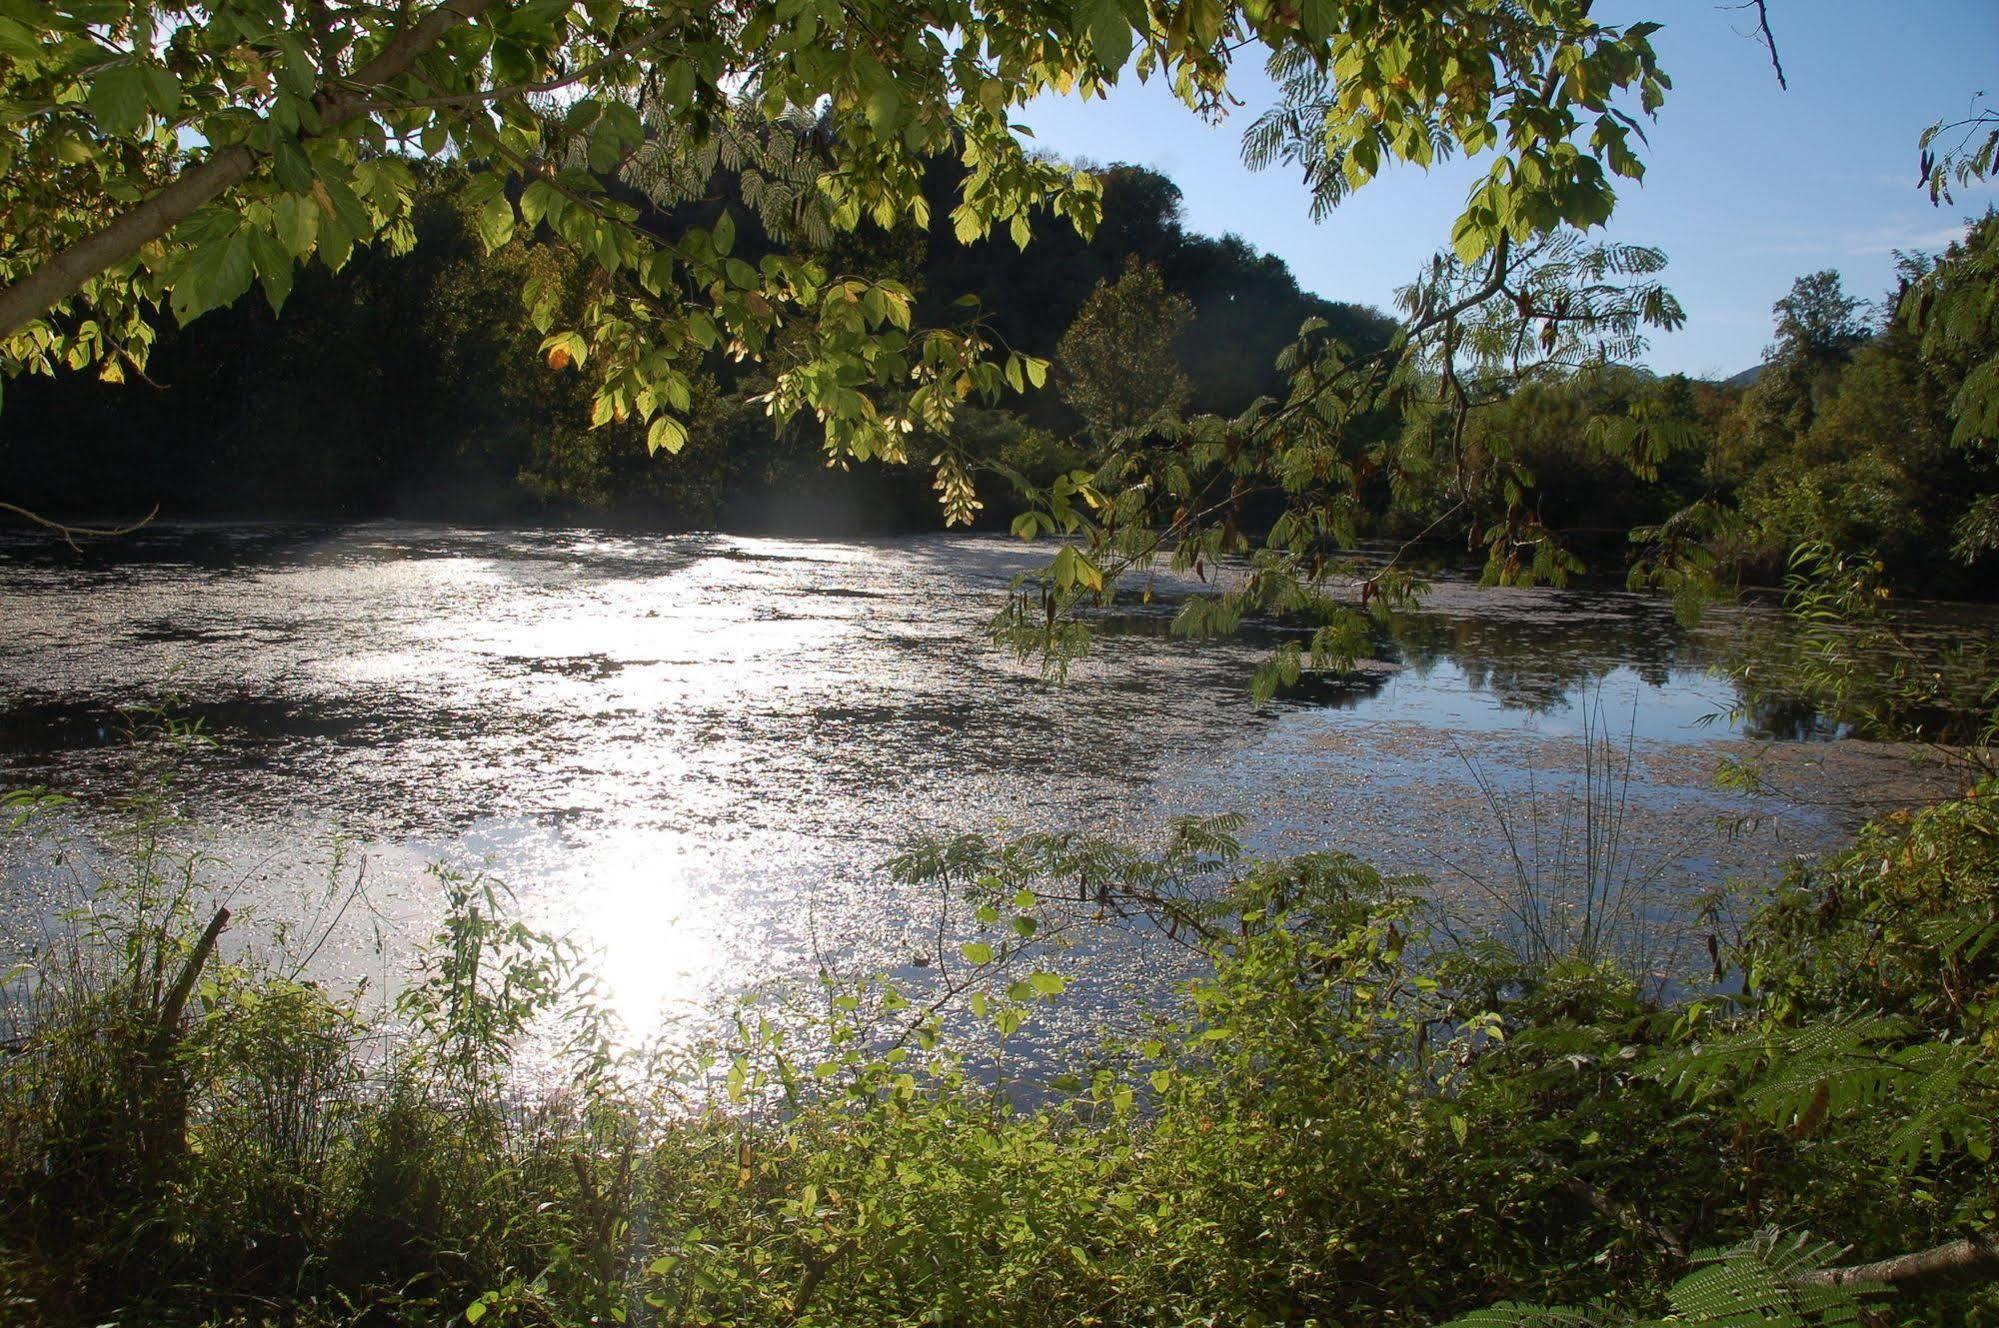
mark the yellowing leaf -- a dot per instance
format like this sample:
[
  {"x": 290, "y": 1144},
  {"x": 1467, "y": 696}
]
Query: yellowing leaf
[{"x": 667, "y": 434}]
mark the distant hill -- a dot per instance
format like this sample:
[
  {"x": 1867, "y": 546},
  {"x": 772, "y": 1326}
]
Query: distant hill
[{"x": 1745, "y": 378}]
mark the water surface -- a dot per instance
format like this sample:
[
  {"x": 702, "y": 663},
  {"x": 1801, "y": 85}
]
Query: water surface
[{"x": 694, "y": 752}]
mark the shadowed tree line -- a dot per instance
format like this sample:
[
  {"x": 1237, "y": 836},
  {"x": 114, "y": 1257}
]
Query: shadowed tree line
[{"x": 405, "y": 385}]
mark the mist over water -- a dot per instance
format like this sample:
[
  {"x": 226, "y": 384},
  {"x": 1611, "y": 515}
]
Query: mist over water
[{"x": 694, "y": 752}]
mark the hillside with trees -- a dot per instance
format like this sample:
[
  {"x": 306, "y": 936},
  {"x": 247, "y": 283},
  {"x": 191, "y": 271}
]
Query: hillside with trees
[{"x": 404, "y": 384}]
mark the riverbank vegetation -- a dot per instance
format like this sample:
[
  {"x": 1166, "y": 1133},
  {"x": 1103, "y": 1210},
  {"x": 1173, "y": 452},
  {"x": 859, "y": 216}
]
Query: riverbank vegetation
[
  {"x": 396, "y": 388},
  {"x": 1351, "y": 1118}
]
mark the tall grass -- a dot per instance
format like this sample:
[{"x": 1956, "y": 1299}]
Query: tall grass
[
  {"x": 1570, "y": 881},
  {"x": 187, "y": 1122}
]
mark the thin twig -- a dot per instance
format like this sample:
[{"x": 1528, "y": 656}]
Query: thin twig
[
  {"x": 1766, "y": 37},
  {"x": 480, "y": 97},
  {"x": 69, "y": 533}
]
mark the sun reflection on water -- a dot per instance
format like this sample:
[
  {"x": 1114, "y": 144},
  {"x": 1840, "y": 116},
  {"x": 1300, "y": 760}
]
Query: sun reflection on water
[{"x": 692, "y": 753}]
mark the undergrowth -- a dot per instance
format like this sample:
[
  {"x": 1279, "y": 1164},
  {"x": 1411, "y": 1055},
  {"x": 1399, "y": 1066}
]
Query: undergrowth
[{"x": 1347, "y": 1120}]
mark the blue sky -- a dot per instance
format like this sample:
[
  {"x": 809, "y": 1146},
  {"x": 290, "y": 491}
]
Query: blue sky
[{"x": 1747, "y": 185}]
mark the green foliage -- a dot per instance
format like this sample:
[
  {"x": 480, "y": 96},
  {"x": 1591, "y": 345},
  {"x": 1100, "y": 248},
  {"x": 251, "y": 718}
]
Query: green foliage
[
  {"x": 1754, "y": 1285},
  {"x": 397, "y": 385},
  {"x": 1871, "y": 440},
  {"x": 1270, "y": 505},
  {"x": 1589, "y": 454},
  {"x": 158, "y": 165},
  {"x": 1117, "y": 365},
  {"x": 1948, "y": 305},
  {"x": 1349, "y": 1117}
]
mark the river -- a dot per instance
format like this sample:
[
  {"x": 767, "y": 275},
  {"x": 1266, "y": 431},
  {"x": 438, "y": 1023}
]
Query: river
[{"x": 692, "y": 753}]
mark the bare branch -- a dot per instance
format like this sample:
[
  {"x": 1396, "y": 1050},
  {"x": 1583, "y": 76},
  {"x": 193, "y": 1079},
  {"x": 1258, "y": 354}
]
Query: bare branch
[
  {"x": 71, "y": 534},
  {"x": 1765, "y": 37},
  {"x": 1975, "y": 1258}
]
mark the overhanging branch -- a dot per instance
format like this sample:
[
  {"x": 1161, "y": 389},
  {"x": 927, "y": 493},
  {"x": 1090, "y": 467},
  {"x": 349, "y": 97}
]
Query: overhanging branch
[
  {"x": 66, "y": 273},
  {"x": 1975, "y": 1258}
]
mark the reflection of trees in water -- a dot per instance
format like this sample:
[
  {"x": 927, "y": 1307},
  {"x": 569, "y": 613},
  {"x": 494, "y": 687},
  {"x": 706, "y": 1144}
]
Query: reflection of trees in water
[
  {"x": 1532, "y": 659},
  {"x": 1921, "y": 673},
  {"x": 1786, "y": 719},
  {"x": 1535, "y": 661},
  {"x": 1536, "y": 653}
]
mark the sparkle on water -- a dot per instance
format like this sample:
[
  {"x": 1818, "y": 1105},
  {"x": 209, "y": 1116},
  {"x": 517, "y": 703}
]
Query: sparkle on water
[{"x": 693, "y": 752}]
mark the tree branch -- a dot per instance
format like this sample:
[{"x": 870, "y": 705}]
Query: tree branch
[
  {"x": 167, "y": 1024},
  {"x": 1766, "y": 37},
  {"x": 70, "y": 533},
  {"x": 66, "y": 273},
  {"x": 1975, "y": 1258}
]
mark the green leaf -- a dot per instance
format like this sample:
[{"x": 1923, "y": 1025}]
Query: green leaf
[
  {"x": 18, "y": 42},
  {"x": 476, "y": 1310},
  {"x": 724, "y": 233},
  {"x": 296, "y": 72},
  {"x": 1469, "y": 239},
  {"x": 482, "y": 189},
  {"x": 496, "y": 222},
  {"x": 882, "y": 97},
  {"x": 290, "y": 167},
  {"x": 538, "y": 200},
  {"x": 1110, "y": 33},
  {"x": 297, "y": 221},
  {"x": 162, "y": 91},
  {"x": 666, "y": 434},
  {"x": 118, "y": 99},
  {"x": 216, "y": 274},
  {"x": 675, "y": 388},
  {"x": 976, "y": 952},
  {"x": 678, "y": 84},
  {"x": 274, "y": 267}
]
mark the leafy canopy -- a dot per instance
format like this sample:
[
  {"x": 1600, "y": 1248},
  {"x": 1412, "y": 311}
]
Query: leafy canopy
[{"x": 161, "y": 155}]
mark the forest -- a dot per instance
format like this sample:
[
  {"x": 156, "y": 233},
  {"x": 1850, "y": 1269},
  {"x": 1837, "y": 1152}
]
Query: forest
[
  {"x": 394, "y": 390},
  {"x": 788, "y": 265}
]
